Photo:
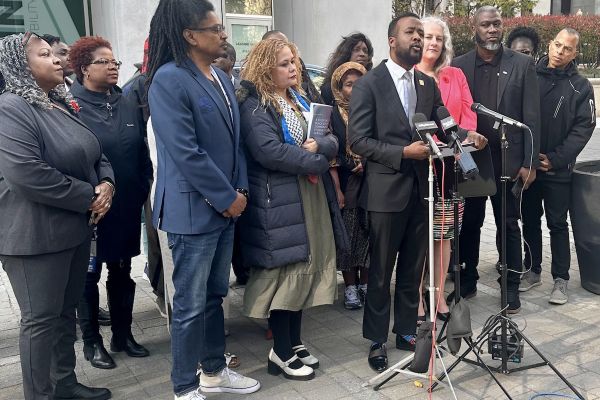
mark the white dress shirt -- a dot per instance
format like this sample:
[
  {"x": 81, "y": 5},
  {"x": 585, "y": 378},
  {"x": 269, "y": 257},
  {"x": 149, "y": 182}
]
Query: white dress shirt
[{"x": 405, "y": 86}]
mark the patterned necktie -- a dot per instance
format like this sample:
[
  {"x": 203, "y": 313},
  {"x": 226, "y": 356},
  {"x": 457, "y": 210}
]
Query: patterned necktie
[{"x": 409, "y": 96}]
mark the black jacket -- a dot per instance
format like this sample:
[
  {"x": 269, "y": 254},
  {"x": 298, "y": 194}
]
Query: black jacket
[
  {"x": 517, "y": 91},
  {"x": 378, "y": 130},
  {"x": 568, "y": 117},
  {"x": 115, "y": 120},
  {"x": 272, "y": 228}
]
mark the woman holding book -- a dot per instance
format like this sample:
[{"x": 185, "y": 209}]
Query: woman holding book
[{"x": 292, "y": 217}]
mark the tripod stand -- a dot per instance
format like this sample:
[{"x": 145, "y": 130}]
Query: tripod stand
[
  {"x": 501, "y": 319},
  {"x": 402, "y": 365}
]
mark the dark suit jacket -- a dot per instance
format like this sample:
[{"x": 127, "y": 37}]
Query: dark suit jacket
[
  {"x": 50, "y": 163},
  {"x": 200, "y": 160},
  {"x": 378, "y": 129},
  {"x": 517, "y": 91}
]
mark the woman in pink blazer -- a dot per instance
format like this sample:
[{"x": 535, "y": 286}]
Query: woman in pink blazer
[{"x": 435, "y": 62}]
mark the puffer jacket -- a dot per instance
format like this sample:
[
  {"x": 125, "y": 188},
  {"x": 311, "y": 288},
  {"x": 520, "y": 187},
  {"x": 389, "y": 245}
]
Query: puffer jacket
[
  {"x": 272, "y": 228},
  {"x": 568, "y": 117}
]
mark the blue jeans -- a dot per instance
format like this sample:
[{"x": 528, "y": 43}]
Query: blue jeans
[{"x": 201, "y": 280}]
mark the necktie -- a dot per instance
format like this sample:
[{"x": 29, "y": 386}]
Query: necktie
[{"x": 409, "y": 94}]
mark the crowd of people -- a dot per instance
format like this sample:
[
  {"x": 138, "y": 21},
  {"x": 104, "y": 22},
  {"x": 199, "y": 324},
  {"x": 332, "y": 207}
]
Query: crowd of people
[{"x": 225, "y": 173}]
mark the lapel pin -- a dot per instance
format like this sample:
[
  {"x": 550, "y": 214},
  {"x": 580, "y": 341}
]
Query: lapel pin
[
  {"x": 505, "y": 73},
  {"x": 421, "y": 82}
]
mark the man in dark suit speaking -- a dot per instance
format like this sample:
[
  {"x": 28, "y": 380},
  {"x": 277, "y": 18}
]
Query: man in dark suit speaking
[
  {"x": 504, "y": 81},
  {"x": 395, "y": 183}
]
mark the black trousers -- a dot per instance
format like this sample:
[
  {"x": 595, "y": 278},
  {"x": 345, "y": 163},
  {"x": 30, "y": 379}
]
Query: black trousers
[
  {"x": 402, "y": 234},
  {"x": 556, "y": 197},
  {"x": 470, "y": 234},
  {"x": 48, "y": 288},
  {"x": 121, "y": 291}
]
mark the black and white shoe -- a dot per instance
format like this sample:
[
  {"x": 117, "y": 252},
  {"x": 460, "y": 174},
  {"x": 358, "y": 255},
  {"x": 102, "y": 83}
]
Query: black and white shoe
[
  {"x": 276, "y": 367},
  {"x": 306, "y": 357}
]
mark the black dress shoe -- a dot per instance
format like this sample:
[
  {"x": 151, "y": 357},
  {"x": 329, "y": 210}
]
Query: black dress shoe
[
  {"x": 131, "y": 347},
  {"x": 97, "y": 355},
  {"x": 79, "y": 391},
  {"x": 378, "y": 360},
  {"x": 103, "y": 317}
]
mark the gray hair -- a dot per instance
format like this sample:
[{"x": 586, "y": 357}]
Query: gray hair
[
  {"x": 447, "y": 51},
  {"x": 482, "y": 9},
  {"x": 16, "y": 77}
]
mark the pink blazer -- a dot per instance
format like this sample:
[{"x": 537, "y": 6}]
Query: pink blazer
[{"x": 457, "y": 97}]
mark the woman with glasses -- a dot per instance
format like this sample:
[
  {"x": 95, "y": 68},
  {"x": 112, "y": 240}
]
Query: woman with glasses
[
  {"x": 115, "y": 120},
  {"x": 54, "y": 182}
]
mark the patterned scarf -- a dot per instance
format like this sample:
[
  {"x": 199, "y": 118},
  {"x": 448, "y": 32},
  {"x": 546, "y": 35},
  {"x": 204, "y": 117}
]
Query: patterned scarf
[
  {"x": 343, "y": 103},
  {"x": 291, "y": 120}
]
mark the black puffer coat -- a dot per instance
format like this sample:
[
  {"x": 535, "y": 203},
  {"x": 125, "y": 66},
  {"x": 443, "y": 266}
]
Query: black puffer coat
[
  {"x": 568, "y": 117},
  {"x": 272, "y": 228}
]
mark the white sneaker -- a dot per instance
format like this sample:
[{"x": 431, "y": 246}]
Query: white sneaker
[
  {"x": 351, "y": 299},
  {"x": 228, "y": 381},
  {"x": 193, "y": 395}
]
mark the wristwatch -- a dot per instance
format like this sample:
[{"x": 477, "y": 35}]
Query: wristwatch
[{"x": 244, "y": 192}]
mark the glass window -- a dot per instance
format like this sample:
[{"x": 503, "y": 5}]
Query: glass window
[
  {"x": 243, "y": 37},
  {"x": 248, "y": 7}
]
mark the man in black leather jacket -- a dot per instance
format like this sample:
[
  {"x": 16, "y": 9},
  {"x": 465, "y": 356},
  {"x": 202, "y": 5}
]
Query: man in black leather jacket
[{"x": 568, "y": 120}]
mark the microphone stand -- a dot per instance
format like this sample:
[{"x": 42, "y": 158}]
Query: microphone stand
[
  {"x": 502, "y": 318},
  {"x": 401, "y": 366}
]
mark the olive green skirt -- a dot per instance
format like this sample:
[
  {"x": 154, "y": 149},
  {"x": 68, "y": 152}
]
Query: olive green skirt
[{"x": 301, "y": 285}]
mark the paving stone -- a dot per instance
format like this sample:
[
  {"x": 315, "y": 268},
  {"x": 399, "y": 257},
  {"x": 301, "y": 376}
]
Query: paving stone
[{"x": 566, "y": 335}]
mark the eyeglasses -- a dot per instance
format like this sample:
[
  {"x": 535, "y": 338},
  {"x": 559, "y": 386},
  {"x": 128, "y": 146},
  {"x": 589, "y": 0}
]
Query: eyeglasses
[
  {"x": 525, "y": 51},
  {"x": 218, "y": 29},
  {"x": 106, "y": 63},
  {"x": 28, "y": 35}
]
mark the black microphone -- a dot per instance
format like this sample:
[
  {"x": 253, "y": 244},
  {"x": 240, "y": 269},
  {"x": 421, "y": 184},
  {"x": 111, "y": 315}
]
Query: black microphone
[
  {"x": 425, "y": 129},
  {"x": 450, "y": 129},
  {"x": 480, "y": 109}
]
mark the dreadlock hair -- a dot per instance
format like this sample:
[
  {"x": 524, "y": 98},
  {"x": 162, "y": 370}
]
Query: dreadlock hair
[
  {"x": 167, "y": 43},
  {"x": 16, "y": 77},
  {"x": 258, "y": 66},
  {"x": 343, "y": 52}
]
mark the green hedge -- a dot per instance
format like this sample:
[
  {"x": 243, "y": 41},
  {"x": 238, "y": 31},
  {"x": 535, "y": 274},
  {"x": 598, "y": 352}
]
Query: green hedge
[{"x": 546, "y": 26}]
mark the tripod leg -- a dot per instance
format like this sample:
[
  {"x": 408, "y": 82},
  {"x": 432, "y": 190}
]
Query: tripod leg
[
  {"x": 389, "y": 378},
  {"x": 548, "y": 363}
]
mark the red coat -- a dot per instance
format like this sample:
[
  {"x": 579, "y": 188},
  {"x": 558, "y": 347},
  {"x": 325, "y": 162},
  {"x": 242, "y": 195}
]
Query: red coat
[{"x": 457, "y": 97}]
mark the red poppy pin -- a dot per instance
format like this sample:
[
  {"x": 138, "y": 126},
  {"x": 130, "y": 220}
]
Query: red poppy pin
[{"x": 74, "y": 106}]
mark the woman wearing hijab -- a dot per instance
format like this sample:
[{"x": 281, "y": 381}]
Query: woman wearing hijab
[
  {"x": 347, "y": 174},
  {"x": 116, "y": 121},
  {"x": 54, "y": 183}
]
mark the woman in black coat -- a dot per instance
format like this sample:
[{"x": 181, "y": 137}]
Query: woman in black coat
[
  {"x": 288, "y": 228},
  {"x": 115, "y": 121}
]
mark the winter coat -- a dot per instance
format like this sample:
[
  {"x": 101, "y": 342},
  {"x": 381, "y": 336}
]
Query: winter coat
[
  {"x": 115, "y": 120},
  {"x": 568, "y": 117},
  {"x": 272, "y": 228}
]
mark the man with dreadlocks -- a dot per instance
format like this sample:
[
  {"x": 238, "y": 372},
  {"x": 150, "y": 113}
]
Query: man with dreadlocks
[{"x": 201, "y": 187}]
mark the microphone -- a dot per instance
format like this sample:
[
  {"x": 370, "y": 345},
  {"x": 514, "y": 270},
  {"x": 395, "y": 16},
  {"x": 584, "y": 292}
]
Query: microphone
[
  {"x": 449, "y": 127},
  {"x": 480, "y": 109},
  {"x": 424, "y": 129}
]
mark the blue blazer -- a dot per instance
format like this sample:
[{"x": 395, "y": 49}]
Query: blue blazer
[{"x": 200, "y": 160}]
